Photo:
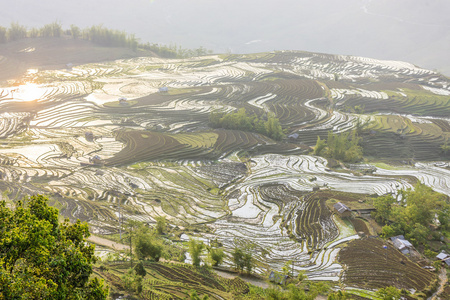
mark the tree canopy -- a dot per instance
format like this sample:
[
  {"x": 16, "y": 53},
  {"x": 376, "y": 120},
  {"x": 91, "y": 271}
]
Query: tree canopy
[
  {"x": 41, "y": 258},
  {"x": 242, "y": 121},
  {"x": 343, "y": 146},
  {"x": 418, "y": 210}
]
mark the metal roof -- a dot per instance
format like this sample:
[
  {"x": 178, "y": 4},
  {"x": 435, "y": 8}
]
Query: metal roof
[{"x": 341, "y": 208}]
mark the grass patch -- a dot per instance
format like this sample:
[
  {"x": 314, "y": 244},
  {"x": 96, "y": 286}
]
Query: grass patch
[{"x": 386, "y": 166}]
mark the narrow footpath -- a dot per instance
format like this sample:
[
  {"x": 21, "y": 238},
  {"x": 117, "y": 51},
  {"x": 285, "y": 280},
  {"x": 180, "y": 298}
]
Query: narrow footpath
[
  {"x": 107, "y": 243},
  {"x": 442, "y": 282}
]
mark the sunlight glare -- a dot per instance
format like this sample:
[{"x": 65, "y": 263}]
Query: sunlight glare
[{"x": 29, "y": 92}]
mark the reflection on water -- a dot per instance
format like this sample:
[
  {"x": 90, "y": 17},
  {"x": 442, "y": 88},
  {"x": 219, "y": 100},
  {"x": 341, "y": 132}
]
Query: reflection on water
[{"x": 32, "y": 152}]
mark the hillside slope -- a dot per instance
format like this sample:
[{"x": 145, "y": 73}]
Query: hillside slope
[{"x": 55, "y": 53}]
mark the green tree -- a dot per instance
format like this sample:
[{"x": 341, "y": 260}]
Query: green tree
[
  {"x": 132, "y": 281},
  {"x": 383, "y": 206},
  {"x": 16, "y": 32},
  {"x": 242, "y": 121},
  {"x": 147, "y": 246},
  {"x": 389, "y": 293},
  {"x": 3, "y": 36},
  {"x": 343, "y": 146},
  {"x": 41, "y": 258},
  {"x": 248, "y": 261},
  {"x": 238, "y": 258},
  {"x": 242, "y": 259},
  {"x": 75, "y": 31},
  {"x": 339, "y": 295},
  {"x": 444, "y": 147},
  {"x": 194, "y": 296},
  {"x": 131, "y": 226},
  {"x": 195, "y": 250},
  {"x": 140, "y": 270},
  {"x": 287, "y": 267},
  {"x": 160, "y": 224},
  {"x": 216, "y": 255},
  {"x": 413, "y": 216},
  {"x": 51, "y": 30},
  {"x": 320, "y": 145},
  {"x": 273, "y": 128}
]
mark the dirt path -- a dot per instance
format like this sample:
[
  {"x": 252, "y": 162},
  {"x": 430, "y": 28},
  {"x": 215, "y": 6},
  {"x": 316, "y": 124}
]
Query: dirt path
[
  {"x": 104, "y": 242},
  {"x": 442, "y": 281}
]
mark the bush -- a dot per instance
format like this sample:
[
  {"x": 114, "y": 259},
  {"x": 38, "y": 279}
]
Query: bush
[
  {"x": 195, "y": 250},
  {"x": 242, "y": 121},
  {"x": 217, "y": 256}
]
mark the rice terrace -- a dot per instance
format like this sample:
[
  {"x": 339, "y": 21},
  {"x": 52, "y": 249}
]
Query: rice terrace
[{"x": 235, "y": 151}]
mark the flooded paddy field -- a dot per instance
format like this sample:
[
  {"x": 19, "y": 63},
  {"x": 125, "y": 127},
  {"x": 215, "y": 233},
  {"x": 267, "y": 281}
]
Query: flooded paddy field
[{"x": 132, "y": 138}]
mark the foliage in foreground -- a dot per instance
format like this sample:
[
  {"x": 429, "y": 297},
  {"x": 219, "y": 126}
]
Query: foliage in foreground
[{"x": 41, "y": 258}]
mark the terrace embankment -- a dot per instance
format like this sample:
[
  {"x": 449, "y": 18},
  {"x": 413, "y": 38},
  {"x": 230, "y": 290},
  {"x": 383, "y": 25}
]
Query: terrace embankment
[{"x": 370, "y": 266}]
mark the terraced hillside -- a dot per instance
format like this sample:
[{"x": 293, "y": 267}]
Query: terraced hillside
[{"x": 105, "y": 141}]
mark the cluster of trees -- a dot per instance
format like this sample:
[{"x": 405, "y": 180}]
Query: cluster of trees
[
  {"x": 16, "y": 32},
  {"x": 174, "y": 51},
  {"x": 147, "y": 243},
  {"x": 215, "y": 254},
  {"x": 41, "y": 258},
  {"x": 242, "y": 260},
  {"x": 106, "y": 37},
  {"x": 419, "y": 215},
  {"x": 242, "y": 121},
  {"x": 445, "y": 148},
  {"x": 303, "y": 289},
  {"x": 99, "y": 35},
  {"x": 344, "y": 146}
]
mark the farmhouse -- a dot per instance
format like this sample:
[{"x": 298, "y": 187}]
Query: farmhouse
[
  {"x": 342, "y": 210},
  {"x": 293, "y": 136},
  {"x": 96, "y": 160},
  {"x": 444, "y": 257},
  {"x": 123, "y": 101},
  {"x": 403, "y": 245},
  {"x": 89, "y": 136}
]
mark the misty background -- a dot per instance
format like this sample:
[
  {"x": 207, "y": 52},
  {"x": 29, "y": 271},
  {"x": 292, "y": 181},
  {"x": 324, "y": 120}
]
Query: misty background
[{"x": 417, "y": 31}]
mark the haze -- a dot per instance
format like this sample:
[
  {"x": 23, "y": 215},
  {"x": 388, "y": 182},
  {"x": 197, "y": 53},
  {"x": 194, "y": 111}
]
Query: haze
[{"x": 416, "y": 31}]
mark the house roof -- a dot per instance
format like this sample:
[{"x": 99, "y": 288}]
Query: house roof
[
  {"x": 447, "y": 261},
  {"x": 400, "y": 242},
  {"x": 442, "y": 256},
  {"x": 397, "y": 237},
  {"x": 341, "y": 208}
]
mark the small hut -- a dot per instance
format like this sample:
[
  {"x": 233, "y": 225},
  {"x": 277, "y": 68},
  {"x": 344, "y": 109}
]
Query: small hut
[
  {"x": 163, "y": 89},
  {"x": 444, "y": 257},
  {"x": 96, "y": 160},
  {"x": 293, "y": 136},
  {"x": 123, "y": 101},
  {"x": 342, "y": 210},
  {"x": 403, "y": 245},
  {"x": 89, "y": 136}
]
